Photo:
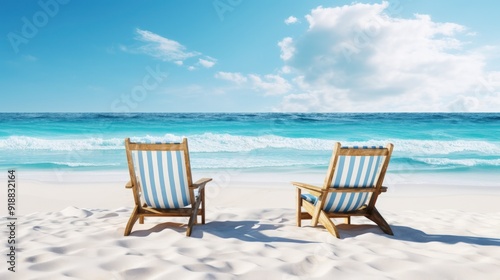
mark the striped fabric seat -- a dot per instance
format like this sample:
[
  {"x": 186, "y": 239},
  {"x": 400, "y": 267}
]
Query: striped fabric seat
[
  {"x": 351, "y": 187},
  {"x": 162, "y": 184},
  {"x": 163, "y": 178},
  {"x": 351, "y": 172}
]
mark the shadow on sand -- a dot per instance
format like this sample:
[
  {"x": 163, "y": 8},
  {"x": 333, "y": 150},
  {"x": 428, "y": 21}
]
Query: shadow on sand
[
  {"x": 254, "y": 231},
  {"x": 248, "y": 231},
  {"x": 415, "y": 235},
  {"x": 178, "y": 227},
  {"x": 403, "y": 233}
]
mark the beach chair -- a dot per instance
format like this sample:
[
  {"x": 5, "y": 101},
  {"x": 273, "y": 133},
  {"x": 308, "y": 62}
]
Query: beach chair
[
  {"x": 351, "y": 188},
  {"x": 160, "y": 178}
]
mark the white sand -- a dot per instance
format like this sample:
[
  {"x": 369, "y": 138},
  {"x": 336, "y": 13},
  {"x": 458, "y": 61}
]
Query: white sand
[{"x": 72, "y": 228}]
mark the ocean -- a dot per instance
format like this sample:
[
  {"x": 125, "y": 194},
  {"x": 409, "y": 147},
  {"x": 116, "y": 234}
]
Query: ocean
[{"x": 424, "y": 143}]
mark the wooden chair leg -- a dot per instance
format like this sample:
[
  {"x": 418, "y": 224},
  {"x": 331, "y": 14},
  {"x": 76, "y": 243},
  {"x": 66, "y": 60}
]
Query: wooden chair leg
[
  {"x": 131, "y": 221},
  {"x": 328, "y": 224},
  {"x": 322, "y": 218},
  {"x": 194, "y": 216},
  {"x": 379, "y": 220},
  {"x": 298, "y": 214},
  {"x": 190, "y": 223},
  {"x": 141, "y": 218},
  {"x": 203, "y": 206}
]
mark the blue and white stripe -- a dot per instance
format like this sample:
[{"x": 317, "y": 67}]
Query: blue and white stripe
[
  {"x": 163, "y": 178},
  {"x": 353, "y": 172}
]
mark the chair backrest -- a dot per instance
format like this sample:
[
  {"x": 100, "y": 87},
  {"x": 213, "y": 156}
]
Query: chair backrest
[
  {"x": 355, "y": 167},
  {"x": 162, "y": 170}
]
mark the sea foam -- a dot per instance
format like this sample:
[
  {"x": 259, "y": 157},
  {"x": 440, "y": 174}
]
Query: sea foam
[{"x": 212, "y": 143}]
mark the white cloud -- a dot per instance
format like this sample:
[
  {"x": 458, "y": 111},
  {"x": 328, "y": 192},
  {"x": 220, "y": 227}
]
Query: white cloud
[
  {"x": 169, "y": 50},
  {"x": 270, "y": 84},
  {"x": 162, "y": 48},
  {"x": 287, "y": 48},
  {"x": 237, "y": 78},
  {"x": 360, "y": 58},
  {"x": 207, "y": 63},
  {"x": 286, "y": 69},
  {"x": 291, "y": 20}
]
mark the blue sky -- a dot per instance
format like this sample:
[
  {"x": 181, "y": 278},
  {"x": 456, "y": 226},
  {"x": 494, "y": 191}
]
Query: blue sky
[{"x": 249, "y": 56}]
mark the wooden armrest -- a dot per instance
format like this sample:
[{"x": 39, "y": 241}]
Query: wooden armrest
[
  {"x": 383, "y": 189},
  {"x": 128, "y": 185},
  {"x": 200, "y": 183},
  {"x": 307, "y": 186},
  {"x": 314, "y": 190}
]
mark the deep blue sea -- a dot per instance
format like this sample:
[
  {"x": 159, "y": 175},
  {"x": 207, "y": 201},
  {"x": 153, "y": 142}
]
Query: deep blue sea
[{"x": 424, "y": 142}]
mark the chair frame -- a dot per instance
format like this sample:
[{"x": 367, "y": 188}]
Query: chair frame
[
  {"x": 316, "y": 212},
  {"x": 141, "y": 210}
]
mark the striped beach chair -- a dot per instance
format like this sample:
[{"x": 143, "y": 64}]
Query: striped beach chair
[
  {"x": 351, "y": 187},
  {"x": 160, "y": 178}
]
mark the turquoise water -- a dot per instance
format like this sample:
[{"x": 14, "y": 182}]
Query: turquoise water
[{"x": 424, "y": 142}]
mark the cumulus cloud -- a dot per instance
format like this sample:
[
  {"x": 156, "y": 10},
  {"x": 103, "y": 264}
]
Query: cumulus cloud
[
  {"x": 208, "y": 62},
  {"x": 363, "y": 57},
  {"x": 287, "y": 48},
  {"x": 286, "y": 69},
  {"x": 291, "y": 20},
  {"x": 237, "y": 78}
]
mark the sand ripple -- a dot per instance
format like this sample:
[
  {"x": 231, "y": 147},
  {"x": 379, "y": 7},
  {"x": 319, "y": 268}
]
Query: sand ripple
[{"x": 253, "y": 244}]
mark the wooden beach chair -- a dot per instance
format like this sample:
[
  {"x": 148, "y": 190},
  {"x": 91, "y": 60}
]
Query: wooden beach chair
[
  {"x": 160, "y": 178},
  {"x": 351, "y": 187}
]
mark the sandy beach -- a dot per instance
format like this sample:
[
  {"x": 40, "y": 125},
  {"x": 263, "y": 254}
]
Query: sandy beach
[
  {"x": 396, "y": 94},
  {"x": 73, "y": 229}
]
